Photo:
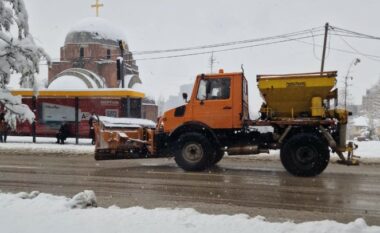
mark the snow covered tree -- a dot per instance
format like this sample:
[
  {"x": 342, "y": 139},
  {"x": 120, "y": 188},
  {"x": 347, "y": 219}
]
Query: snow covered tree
[{"x": 18, "y": 55}]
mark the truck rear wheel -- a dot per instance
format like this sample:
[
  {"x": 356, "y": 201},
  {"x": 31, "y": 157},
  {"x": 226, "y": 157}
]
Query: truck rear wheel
[
  {"x": 305, "y": 155},
  {"x": 193, "y": 152}
]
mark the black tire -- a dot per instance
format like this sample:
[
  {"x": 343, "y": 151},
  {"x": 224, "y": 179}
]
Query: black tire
[
  {"x": 193, "y": 152},
  {"x": 305, "y": 155},
  {"x": 218, "y": 156}
]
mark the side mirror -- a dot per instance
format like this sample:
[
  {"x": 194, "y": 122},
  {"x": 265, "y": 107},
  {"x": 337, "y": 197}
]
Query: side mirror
[{"x": 184, "y": 96}]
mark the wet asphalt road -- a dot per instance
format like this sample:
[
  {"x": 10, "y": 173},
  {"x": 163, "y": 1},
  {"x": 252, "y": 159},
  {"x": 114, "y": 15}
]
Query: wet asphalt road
[{"x": 236, "y": 185}]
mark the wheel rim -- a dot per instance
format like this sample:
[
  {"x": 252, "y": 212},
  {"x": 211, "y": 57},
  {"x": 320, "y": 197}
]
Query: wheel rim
[
  {"x": 305, "y": 155},
  {"x": 192, "y": 152}
]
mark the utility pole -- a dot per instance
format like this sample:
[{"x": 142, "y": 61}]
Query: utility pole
[
  {"x": 212, "y": 61},
  {"x": 324, "y": 46}
]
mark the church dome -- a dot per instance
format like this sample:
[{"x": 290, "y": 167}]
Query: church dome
[{"x": 95, "y": 30}]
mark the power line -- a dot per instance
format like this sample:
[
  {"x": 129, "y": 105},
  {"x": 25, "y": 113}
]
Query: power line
[
  {"x": 224, "y": 50},
  {"x": 340, "y": 50},
  {"x": 220, "y": 50},
  {"x": 314, "y": 53},
  {"x": 225, "y": 44},
  {"x": 299, "y": 39},
  {"x": 231, "y": 43},
  {"x": 361, "y": 35},
  {"x": 294, "y": 36},
  {"x": 356, "y": 51}
]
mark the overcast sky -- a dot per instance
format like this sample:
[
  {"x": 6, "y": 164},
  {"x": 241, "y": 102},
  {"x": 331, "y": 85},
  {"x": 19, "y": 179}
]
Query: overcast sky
[{"x": 165, "y": 24}]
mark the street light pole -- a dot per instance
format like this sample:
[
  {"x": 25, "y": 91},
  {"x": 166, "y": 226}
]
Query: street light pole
[
  {"x": 353, "y": 63},
  {"x": 121, "y": 74}
]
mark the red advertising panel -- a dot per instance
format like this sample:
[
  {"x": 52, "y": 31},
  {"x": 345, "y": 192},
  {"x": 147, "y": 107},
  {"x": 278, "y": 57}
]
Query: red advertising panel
[{"x": 54, "y": 108}]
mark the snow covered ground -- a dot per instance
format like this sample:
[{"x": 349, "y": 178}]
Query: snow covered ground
[
  {"x": 368, "y": 149},
  {"x": 47, "y": 145},
  {"x": 39, "y": 212}
]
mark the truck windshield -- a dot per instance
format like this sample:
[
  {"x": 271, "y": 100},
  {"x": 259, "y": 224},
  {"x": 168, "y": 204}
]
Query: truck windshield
[{"x": 211, "y": 89}]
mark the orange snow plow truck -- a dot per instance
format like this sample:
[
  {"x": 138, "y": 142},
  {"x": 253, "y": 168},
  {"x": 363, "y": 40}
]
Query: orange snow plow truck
[{"x": 298, "y": 116}]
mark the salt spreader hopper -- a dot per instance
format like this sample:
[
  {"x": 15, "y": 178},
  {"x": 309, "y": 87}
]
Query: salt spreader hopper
[{"x": 296, "y": 95}]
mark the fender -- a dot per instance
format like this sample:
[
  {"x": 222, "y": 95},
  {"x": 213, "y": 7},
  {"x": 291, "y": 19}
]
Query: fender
[{"x": 195, "y": 126}]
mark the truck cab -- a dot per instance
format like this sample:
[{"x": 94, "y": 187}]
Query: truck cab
[{"x": 218, "y": 101}]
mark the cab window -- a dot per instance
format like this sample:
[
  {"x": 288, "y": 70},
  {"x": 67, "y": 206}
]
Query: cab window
[{"x": 214, "y": 89}]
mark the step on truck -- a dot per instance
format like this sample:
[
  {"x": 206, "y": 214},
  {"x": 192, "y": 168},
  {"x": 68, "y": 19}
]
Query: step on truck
[{"x": 299, "y": 116}]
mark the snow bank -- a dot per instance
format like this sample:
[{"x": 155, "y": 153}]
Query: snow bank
[
  {"x": 83, "y": 200},
  {"x": 368, "y": 149},
  {"x": 48, "y": 213}
]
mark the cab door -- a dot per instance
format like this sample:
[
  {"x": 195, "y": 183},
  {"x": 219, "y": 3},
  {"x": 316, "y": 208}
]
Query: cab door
[{"x": 212, "y": 104}]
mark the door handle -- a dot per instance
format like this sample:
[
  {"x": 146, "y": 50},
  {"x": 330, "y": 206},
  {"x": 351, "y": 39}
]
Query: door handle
[{"x": 227, "y": 107}]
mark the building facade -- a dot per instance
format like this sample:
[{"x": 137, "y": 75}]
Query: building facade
[{"x": 371, "y": 102}]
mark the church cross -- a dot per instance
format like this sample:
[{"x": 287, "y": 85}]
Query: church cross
[{"x": 97, "y": 5}]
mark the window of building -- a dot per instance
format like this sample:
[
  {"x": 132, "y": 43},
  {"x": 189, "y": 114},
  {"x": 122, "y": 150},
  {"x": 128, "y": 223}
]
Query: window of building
[
  {"x": 210, "y": 89},
  {"x": 108, "y": 53},
  {"x": 81, "y": 52}
]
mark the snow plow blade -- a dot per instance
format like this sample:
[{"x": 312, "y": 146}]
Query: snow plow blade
[
  {"x": 123, "y": 138},
  {"x": 352, "y": 162}
]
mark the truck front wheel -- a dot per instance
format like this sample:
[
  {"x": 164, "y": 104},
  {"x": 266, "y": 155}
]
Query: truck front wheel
[
  {"x": 305, "y": 155},
  {"x": 219, "y": 154},
  {"x": 193, "y": 152}
]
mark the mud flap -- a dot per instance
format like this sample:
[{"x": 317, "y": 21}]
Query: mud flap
[{"x": 351, "y": 160}]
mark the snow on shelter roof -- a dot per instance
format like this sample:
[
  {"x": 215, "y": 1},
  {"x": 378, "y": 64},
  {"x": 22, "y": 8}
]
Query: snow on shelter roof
[
  {"x": 95, "y": 30},
  {"x": 109, "y": 92}
]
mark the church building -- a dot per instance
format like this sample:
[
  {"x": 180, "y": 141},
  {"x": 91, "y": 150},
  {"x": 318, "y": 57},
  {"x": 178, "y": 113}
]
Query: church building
[
  {"x": 89, "y": 54},
  {"x": 88, "y": 61}
]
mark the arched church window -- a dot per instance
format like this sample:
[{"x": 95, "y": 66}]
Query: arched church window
[{"x": 81, "y": 52}]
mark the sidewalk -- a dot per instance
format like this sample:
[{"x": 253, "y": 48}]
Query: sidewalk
[{"x": 25, "y": 145}]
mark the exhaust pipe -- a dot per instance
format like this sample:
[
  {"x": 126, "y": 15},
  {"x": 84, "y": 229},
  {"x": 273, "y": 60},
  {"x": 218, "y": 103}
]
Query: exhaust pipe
[{"x": 243, "y": 150}]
